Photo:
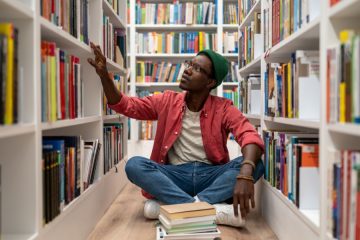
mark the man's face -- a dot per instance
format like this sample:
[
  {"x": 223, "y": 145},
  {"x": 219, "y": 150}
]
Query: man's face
[{"x": 198, "y": 75}]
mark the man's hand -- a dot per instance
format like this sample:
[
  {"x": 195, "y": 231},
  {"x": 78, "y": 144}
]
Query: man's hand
[
  {"x": 244, "y": 193},
  {"x": 100, "y": 62}
]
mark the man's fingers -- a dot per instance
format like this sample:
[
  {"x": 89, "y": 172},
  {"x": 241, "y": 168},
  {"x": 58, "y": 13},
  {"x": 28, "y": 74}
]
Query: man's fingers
[
  {"x": 235, "y": 205},
  {"x": 242, "y": 207},
  {"x": 246, "y": 200},
  {"x": 92, "y": 62},
  {"x": 252, "y": 200}
]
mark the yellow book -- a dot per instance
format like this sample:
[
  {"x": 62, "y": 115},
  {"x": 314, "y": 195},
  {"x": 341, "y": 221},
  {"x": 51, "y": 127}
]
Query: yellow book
[
  {"x": 7, "y": 29},
  {"x": 289, "y": 100},
  {"x": 345, "y": 38},
  {"x": 201, "y": 46},
  {"x": 53, "y": 84}
]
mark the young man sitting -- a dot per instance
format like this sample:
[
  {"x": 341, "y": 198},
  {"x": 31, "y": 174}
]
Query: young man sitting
[{"x": 190, "y": 159}]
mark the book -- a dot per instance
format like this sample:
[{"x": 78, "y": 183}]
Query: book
[
  {"x": 161, "y": 234},
  {"x": 187, "y": 210}
]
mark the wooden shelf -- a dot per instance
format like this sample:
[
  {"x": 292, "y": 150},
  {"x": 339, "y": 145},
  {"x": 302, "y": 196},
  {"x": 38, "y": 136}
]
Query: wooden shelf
[
  {"x": 306, "y": 38},
  {"x": 69, "y": 122},
  {"x": 165, "y": 55},
  {"x": 16, "y": 130},
  {"x": 294, "y": 122},
  {"x": 252, "y": 67},
  {"x": 345, "y": 9},
  {"x": 12, "y": 9},
  {"x": 309, "y": 219},
  {"x": 63, "y": 39},
  {"x": 114, "y": 18},
  {"x": 250, "y": 16},
  {"x": 176, "y": 27},
  {"x": 345, "y": 128}
]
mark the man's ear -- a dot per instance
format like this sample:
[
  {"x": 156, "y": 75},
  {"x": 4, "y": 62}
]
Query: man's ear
[{"x": 212, "y": 83}]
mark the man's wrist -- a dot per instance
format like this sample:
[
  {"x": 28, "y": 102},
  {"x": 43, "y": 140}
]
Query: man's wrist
[{"x": 246, "y": 169}]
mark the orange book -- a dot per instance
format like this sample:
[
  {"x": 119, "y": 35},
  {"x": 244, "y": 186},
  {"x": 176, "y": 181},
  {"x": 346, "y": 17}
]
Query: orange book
[{"x": 309, "y": 155}]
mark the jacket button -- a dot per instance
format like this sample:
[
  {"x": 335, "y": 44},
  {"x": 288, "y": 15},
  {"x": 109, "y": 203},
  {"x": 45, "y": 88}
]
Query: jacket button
[
  {"x": 162, "y": 161},
  {"x": 176, "y": 133},
  {"x": 166, "y": 147}
]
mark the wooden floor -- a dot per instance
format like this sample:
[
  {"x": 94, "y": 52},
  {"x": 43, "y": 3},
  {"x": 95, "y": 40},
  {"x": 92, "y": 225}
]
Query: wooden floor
[{"x": 124, "y": 220}]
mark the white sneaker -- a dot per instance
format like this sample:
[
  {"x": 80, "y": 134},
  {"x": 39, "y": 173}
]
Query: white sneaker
[
  {"x": 151, "y": 209},
  {"x": 225, "y": 216}
]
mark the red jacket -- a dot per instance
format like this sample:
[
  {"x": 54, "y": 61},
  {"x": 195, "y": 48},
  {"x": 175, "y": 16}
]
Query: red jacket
[{"x": 218, "y": 118}]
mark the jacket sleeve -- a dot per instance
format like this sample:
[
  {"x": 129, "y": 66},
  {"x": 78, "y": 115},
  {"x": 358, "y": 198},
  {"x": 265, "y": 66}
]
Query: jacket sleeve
[
  {"x": 146, "y": 108},
  {"x": 243, "y": 131}
]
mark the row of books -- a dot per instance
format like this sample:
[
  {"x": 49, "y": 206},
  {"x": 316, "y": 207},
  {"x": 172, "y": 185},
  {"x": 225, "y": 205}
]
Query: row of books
[
  {"x": 71, "y": 15},
  {"x": 147, "y": 129},
  {"x": 292, "y": 165},
  {"x": 343, "y": 79},
  {"x": 250, "y": 94},
  {"x": 114, "y": 42},
  {"x": 9, "y": 77},
  {"x": 61, "y": 84},
  {"x": 233, "y": 95},
  {"x": 292, "y": 89},
  {"x": 120, "y": 83},
  {"x": 343, "y": 208},
  {"x": 250, "y": 41},
  {"x": 233, "y": 75},
  {"x": 244, "y": 8},
  {"x": 176, "y": 13},
  {"x": 113, "y": 145},
  {"x": 116, "y": 5},
  {"x": 149, "y": 71},
  {"x": 231, "y": 42},
  {"x": 284, "y": 17},
  {"x": 187, "y": 221},
  {"x": 69, "y": 165},
  {"x": 175, "y": 42},
  {"x": 230, "y": 13}
]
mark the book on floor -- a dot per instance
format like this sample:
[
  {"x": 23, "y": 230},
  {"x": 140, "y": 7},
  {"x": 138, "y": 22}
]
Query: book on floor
[{"x": 187, "y": 210}]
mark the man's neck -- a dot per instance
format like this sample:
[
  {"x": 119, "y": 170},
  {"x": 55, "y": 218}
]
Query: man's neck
[{"x": 196, "y": 101}]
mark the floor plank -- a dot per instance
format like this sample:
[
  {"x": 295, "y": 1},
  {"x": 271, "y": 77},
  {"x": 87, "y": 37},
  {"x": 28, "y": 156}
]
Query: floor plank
[{"x": 124, "y": 220}]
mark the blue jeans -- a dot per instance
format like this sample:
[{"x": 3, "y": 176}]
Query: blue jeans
[{"x": 173, "y": 184}]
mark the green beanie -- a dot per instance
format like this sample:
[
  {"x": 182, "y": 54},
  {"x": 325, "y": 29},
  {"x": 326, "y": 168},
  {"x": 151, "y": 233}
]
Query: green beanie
[{"x": 220, "y": 65}]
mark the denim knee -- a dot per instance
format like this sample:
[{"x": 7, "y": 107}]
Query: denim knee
[{"x": 132, "y": 166}]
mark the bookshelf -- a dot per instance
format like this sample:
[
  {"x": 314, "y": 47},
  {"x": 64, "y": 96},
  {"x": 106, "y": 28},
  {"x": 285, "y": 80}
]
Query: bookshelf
[
  {"x": 21, "y": 143},
  {"x": 321, "y": 33},
  {"x": 219, "y": 28}
]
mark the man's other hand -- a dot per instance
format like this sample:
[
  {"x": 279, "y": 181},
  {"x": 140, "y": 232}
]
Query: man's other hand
[
  {"x": 243, "y": 194},
  {"x": 100, "y": 61}
]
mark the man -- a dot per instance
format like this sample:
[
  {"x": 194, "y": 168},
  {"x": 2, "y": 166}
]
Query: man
[{"x": 190, "y": 160}]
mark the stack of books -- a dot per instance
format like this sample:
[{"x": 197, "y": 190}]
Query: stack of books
[{"x": 187, "y": 221}]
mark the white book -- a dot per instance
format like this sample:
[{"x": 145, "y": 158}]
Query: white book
[{"x": 162, "y": 235}]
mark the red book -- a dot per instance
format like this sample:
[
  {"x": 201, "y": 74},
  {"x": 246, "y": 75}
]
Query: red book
[{"x": 62, "y": 84}]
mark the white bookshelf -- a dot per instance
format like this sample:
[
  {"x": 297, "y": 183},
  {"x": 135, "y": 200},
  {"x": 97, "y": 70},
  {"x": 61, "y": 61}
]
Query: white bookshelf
[
  {"x": 176, "y": 27},
  {"x": 21, "y": 144},
  {"x": 322, "y": 32},
  {"x": 250, "y": 16}
]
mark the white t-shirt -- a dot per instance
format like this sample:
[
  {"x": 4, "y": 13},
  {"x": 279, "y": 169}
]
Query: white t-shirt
[{"x": 189, "y": 146}]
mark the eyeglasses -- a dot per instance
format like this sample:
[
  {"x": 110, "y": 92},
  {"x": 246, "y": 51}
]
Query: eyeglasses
[{"x": 195, "y": 67}]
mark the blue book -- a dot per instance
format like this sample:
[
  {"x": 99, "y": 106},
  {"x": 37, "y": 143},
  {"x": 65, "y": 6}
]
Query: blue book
[{"x": 50, "y": 145}]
